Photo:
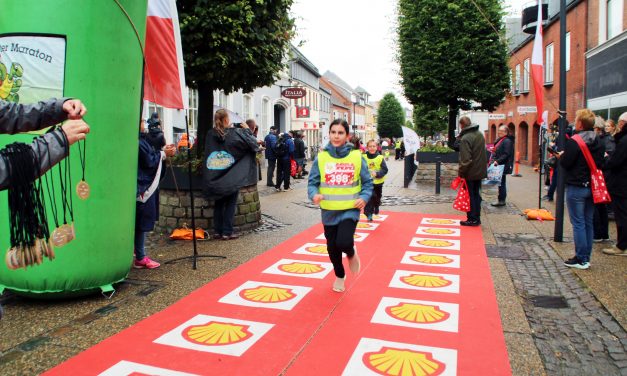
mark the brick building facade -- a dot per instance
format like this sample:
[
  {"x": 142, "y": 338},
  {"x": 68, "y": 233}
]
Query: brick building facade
[{"x": 525, "y": 126}]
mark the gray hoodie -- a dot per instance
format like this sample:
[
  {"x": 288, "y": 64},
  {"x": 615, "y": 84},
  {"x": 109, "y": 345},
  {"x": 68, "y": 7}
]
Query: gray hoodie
[{"x": 17, "y": 118}]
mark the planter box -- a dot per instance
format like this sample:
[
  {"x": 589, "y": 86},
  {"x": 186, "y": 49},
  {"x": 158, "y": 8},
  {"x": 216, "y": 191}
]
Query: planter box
[
  {"x": 432, "y": 157},
  {"x": 177, "y": 176}
]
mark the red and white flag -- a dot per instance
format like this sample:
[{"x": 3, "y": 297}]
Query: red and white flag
[
  {"x": 164, "y": 79},
  {"x": 537, "y": 69}
]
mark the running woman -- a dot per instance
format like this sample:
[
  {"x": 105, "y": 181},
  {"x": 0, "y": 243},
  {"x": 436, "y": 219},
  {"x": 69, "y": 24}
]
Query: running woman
[
  {"x": 340, "y": 183},
  {"x": 378, "y": 169}
]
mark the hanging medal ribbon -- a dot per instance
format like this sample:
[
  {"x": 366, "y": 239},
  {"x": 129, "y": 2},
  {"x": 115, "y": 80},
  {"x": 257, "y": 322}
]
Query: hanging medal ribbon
[{"x": 83, "y": 190}]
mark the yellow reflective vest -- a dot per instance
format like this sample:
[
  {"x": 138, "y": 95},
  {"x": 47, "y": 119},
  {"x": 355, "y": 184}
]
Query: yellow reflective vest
[
  {"x": 398, "y": 144},
  {"x": 340, "y": 182},
  {"x": 374, "y": 165}
]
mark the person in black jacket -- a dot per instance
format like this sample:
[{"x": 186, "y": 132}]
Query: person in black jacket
[
  {"x": 578, "y": 192},
  {"x": 299, "y": 154},
  {"x": 601, "y": 220},
  {"x": 617, "y": 186},
  {"x": 230, "y": 164},
  {"x": 503, "y": 155}
]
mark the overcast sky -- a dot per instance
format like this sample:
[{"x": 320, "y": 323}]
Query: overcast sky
[{"x": 355, "y": 40}]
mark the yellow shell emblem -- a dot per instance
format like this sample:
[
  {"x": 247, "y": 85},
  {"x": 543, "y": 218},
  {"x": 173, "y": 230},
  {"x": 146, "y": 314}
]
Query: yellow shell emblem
[
  {"x": 217, "y": 333},
  {"x": 436, "y": 221},
  {"x": 402, "y": 362},
  {"x": 363, "y": 225},
  {"x": 301, "y": 268},
  {"x": 436, "y": 243},
  {"x": 431, "y": 259},
  {"x": 417, "y": 313},
  {"x": 421, "y": 280},
  {"x": 438, "y": 231},
  {"x": 267, "y": 294},
  {"x": 319, "y": 249}
]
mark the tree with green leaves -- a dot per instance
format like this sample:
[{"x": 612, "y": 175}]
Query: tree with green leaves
[
  {"x": 451, "y": 56},
  {"x": 231, "y": 45},
  {"x": 430, "y": 121},
  {"x": 409, "y": 124},
  {"x": 390, "y": 117}
]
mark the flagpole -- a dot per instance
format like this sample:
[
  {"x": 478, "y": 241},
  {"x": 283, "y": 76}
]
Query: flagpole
[{"x": 558, "y": 234}]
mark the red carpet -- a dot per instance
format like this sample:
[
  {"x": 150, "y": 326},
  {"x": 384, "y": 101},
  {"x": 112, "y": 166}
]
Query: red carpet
[{"x": 423, "y": 304}]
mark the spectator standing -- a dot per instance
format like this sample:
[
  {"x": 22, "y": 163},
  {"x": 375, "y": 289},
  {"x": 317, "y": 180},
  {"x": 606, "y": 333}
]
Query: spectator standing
[
  {"x": 269, "y": 143},
  {"x": 600, "y": 220},
  {"x": 472, "y": 166},
  {"x": 299, "y": 154},
  {"x": 149, "y": 173},
  {"x": 578, "y": 192},
  {"x": 284, "y": 151},
  {"x": 617, "y": 186},
  {"x": 397, "y": 149},
  {"x": 230, "y": 165},
  {"x": 503, "y": 155}
]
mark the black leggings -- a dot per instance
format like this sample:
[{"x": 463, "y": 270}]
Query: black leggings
[
  {"x": 340, "y": 239},
  {"x": 372, "y": 207}
]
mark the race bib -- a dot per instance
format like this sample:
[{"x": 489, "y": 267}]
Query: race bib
[{"x": 339, "y": 174}]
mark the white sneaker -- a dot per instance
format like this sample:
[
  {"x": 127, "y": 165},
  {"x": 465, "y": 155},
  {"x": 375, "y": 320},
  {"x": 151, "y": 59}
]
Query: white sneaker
[
  {"x": 354, "y": 263},
  {"x": 338, "y": 285}
]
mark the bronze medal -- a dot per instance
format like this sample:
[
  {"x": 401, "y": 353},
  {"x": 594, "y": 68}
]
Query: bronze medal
[
  {"x": 83, "y": 190},
  {"x": 58, "y": 237}
]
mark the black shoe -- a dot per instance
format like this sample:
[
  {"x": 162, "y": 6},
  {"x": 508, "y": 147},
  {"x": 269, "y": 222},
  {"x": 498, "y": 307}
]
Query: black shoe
[
  {"x": 498, "y": 203},
  {"x": 472, "y": 223},
  {"x": 270, "y": 184},
  {"x": 547, "y": 198},
  {"x": 576, "y": 263}
]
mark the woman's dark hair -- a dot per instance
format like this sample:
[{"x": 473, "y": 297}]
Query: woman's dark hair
[{"x": 341, "y": 122}]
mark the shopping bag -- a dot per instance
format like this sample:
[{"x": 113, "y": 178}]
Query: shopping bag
[
  {"x": 539, "y": 214},
  {"x": 185, "y": 233},
  {"x": 293, "y": 168},
  {"x": 495, "y": 175},
  {"x": 462, "y": 201},
  {"x": 600, "y": 194}
]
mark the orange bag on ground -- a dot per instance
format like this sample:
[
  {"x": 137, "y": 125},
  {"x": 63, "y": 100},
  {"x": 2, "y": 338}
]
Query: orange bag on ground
[
  {"x": 186, "y": 234},
  {"x": 539, "y": 214}
]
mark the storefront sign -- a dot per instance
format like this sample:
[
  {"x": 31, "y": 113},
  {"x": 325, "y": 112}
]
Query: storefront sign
[
  {"x": 302, "y": 112},
  {"x": 294, "y": 92},
  {"x": 496, "y": 116},
  {"x": 527, "y": 109}
]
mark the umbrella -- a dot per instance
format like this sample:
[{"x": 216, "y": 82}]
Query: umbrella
[{"x": 235, "y": 118}]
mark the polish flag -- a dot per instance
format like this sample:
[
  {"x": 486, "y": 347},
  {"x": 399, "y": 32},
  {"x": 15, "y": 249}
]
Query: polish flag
[
  {"x": 164, "y": 79},
  {"x": 537, "y": 69}
]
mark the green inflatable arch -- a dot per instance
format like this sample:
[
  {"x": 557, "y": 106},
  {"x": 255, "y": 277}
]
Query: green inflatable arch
[{"x": 102, "y": 67}]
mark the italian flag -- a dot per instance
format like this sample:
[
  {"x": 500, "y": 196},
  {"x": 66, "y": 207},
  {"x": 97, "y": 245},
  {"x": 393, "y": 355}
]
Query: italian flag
[
  {"x": 164, "y": 79},
  {"x": 537, "y": 69}
]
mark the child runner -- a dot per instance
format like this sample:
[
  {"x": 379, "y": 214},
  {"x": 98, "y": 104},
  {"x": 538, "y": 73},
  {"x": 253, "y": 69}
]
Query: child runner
[
  {"x": 378, "y": 169},
  {"x": 340, "y": 183}
]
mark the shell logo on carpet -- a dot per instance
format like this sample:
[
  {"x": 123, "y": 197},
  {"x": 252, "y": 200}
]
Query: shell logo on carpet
[
  {"x": 267, "y": 294},
  {"x": 423, "y": 280},
  {"x": 402, "y": 362},
  {"x": 216, "y": 333},
  {"x": 417, "y": 313},
  {"x": 413, "y": 310}
]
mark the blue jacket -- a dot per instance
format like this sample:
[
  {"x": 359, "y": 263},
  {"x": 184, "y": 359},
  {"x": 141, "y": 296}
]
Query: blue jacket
[
  {"x": 270, "y": 142},
  {"x": 290, "y": 147},
  {"x": 334, "y": 217}
]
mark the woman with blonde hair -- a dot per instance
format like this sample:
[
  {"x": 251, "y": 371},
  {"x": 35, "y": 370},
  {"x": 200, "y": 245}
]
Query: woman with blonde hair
[{"x": 230, "y": 164}]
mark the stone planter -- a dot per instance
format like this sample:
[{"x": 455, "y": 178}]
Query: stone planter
[
  {"x": 432, "y": 157},
  {"x": 425, "y": 173},
  {"x": 175, "y": 205}
]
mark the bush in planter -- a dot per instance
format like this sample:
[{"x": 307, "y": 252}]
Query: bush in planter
[
  {"x": 435, "y": 149},
  {"x": 180, "y": 159}
]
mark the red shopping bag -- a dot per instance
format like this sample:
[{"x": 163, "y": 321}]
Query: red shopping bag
[
  {"x": 293, "y": 168},
  {"x": 462, "y": 201},
  {"x": 600, "y": 195}
]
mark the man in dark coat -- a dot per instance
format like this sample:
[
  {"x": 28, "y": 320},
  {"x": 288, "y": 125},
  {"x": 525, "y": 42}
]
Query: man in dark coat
[
  {"x": 269, "y": 143},
  {"x": 473, "y": 161},
  {"x": 617, "y": 186},
  {"x": 503, "y": 155}
]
